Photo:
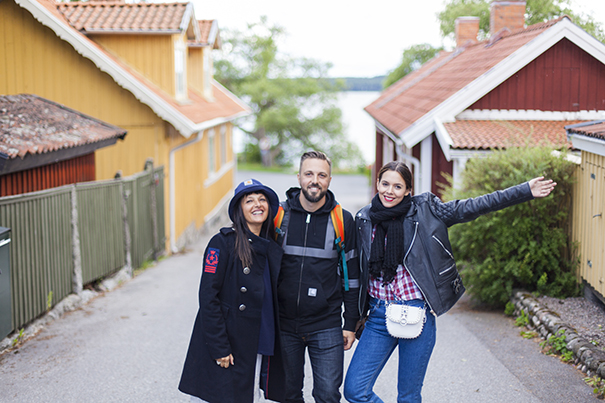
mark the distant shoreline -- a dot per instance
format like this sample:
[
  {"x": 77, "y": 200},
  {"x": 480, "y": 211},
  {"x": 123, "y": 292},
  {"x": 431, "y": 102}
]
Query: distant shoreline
[{"x": 362, "y": 83}]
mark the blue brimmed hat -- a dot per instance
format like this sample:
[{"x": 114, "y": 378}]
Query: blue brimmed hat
[{"x": 253, "y": 186}]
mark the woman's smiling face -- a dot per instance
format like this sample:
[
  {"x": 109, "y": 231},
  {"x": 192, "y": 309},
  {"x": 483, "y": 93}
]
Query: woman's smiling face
[
  {"x": 391, "y": 189},
  {"x": 256, "y": 210}
]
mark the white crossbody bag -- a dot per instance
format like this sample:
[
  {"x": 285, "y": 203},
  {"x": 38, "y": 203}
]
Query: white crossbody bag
[{"x": 404, "y": 321}]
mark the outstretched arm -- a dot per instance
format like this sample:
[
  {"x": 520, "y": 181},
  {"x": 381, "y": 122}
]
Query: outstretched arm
[{"x": 541, "y": 187}]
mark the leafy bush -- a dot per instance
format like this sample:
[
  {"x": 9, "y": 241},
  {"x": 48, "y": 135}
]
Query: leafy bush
[{"x": 524, "y": 246}]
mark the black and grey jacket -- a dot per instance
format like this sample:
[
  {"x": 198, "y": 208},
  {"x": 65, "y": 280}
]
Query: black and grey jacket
[
  {"x": 310, "y": 287},
  {"x": 428, "y": 254}
]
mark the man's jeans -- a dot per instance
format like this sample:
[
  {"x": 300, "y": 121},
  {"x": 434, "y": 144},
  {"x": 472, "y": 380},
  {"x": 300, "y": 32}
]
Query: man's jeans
[
  {"x": 373, "y": 351},
  {"x": 326, "y": 351}
]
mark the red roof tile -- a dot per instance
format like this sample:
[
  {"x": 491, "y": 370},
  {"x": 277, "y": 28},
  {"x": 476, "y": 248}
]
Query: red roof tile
[
  {"x": 205, "y": 26},
  {"x": 98, "y": 16},
  {"x": 406, "y": 101},
  {"x": 490, "y": 134},
  {"x": 33, "y": 125},
  {"x": 595, "y": 129},
  {"x": 198, "y": 110}
]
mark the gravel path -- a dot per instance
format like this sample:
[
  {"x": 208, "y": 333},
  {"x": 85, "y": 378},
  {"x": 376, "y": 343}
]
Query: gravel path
[{"x": 585, "y": 316}]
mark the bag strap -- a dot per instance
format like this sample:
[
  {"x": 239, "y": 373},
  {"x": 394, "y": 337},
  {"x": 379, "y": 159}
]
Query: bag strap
[
  {"x": 280, "y": 222},
  {"x": 338, "y": 223}
]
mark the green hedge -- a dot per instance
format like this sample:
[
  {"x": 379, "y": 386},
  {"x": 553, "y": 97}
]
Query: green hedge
[{"x": 525, "y": 246}]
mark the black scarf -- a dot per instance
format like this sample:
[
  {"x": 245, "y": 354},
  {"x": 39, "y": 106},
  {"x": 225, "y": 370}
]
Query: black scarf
[{"x": 389, "y": 221}]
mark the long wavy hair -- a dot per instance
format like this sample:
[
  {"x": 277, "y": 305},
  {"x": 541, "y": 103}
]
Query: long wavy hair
[{"x": 243, "y": 249}]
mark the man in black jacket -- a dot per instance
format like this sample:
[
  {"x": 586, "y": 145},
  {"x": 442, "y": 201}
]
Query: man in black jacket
[{"x": 311, "y": 285}]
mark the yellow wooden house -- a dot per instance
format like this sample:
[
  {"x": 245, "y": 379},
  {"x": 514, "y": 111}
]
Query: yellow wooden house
[{"x": 144, "y": 67}]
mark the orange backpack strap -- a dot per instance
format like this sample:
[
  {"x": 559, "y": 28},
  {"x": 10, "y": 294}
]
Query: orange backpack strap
[
  {"x": 339, "y": 228},
  {"x": 278, "y": 220}
]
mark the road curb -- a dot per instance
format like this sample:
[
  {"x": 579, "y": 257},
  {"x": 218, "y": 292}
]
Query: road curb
[{"x": 588, "y": 358}]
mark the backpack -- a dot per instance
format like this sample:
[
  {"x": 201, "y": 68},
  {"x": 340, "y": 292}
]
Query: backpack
[{"x": 339, "y": 228}]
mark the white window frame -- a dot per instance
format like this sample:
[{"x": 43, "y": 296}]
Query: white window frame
[
  {"x": 207, "y": 73},
  {"x": 211, "y": 152},
  {"x": 180, "y": 70},
  {"x": 223, "y": 145}
]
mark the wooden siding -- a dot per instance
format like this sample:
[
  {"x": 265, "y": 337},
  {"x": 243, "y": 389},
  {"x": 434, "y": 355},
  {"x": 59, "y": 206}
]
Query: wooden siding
[
  {"x": 588, "y": 223},
  {"x": 150, "y": 55},
  {"x": 34, "y": 60},
  {"x": 195, "y": 70},
  {"x": 192, "y": 168},
  {"x": 80, "y": 169},
  {"x": 440, "y": 165},
  {"x": 564, "y": 78}
]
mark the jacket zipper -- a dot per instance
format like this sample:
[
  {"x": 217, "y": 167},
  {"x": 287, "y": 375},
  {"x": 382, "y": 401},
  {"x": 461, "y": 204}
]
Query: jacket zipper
[
  {"x": 443, "y": 246},
  {"x": 411, "y": 275},
  {"x": 302, "y": 263}
]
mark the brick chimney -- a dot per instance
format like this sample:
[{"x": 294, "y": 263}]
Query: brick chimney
[
  {"x": 467, "y": 29},
  {"x": 506, "y": 14}
]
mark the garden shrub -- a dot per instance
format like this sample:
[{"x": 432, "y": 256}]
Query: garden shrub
[{"x": 525, "y": 246}]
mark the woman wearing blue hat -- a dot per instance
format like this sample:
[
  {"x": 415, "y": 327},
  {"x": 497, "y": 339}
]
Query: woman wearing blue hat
[{"x": 234, "y": 352}]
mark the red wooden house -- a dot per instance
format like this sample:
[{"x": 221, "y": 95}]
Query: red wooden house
[
  {"x": 44, "y": 144},
  {"x": 521, "y": 86}
]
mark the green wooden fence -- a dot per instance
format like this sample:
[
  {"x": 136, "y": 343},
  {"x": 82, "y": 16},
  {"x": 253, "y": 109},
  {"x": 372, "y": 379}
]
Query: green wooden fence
[
  {"x": 41, "y": 250},
  {"x": 65, "y": 237}
]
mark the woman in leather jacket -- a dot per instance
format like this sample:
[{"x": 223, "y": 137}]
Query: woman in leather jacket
[
  {"x": 406, "y": 258},
  {"x": 235, "y": 345}
]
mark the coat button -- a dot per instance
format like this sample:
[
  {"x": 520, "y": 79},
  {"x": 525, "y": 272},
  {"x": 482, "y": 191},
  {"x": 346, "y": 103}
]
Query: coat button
[
  {"x": 242, "y": 307},
  {"x": 243, "y": 289},
  {"x": 246, "y": 270}
]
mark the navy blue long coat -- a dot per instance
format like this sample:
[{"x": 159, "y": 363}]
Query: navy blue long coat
[{"x": 228, "y": 322}]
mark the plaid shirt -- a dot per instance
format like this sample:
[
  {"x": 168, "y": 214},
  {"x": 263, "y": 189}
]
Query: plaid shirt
[{"x": 402, "y": 288}]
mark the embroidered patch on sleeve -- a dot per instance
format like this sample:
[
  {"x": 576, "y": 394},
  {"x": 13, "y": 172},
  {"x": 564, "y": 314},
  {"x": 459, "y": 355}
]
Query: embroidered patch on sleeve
[{"x": 211, "y": 260}]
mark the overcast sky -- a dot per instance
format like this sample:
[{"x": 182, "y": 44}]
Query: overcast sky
[{"x": 360, "y": 39}]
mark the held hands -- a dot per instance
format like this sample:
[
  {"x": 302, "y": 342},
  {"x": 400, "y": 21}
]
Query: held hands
[
  {"x": 541, "y": 187},
  {"x": 225, "y": 361},
  {"x": 348, "y": 339}
]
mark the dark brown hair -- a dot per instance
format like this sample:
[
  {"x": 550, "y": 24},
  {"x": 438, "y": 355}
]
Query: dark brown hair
[
  {"x": 243, "y": 249},
  {"x": 399, "y": 167},
  {"x": 315, "y": 155}
]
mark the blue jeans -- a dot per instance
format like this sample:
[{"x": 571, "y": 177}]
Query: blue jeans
[
  {"x": 373, "y": 351},
  {"x": 326, "y": 351}
]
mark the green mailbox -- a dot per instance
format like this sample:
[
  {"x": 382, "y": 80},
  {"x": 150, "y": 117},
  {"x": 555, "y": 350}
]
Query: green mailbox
[{"x": 6, "y": 314}]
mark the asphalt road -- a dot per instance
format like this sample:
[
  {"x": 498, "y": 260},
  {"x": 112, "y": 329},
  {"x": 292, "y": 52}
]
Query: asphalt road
[{"x": 129, "y": 344}]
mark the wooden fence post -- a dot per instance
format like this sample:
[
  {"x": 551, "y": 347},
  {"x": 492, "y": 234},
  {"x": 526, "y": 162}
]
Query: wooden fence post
[
  {"x": 127, "y": 241},
  {"x": 153, "y": 206},
  {"x": 75, "y": 236}
]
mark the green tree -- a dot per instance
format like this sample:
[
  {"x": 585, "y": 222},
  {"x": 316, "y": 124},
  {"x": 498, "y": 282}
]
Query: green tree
[
  {"x": 413, "y": 57},
  {"x": 293, "y": 100},
  {"x": 536, "y": 11},
  {"x": 525, "y": 246}
]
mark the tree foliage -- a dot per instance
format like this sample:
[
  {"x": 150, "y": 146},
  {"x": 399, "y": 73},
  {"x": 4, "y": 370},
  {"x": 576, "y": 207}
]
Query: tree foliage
[
  {"x": 412, "y": 58},
  {"x": 524, "y": 246},
  {"x": 536, "y": 11},
  {"x": 293, "y": 101}
]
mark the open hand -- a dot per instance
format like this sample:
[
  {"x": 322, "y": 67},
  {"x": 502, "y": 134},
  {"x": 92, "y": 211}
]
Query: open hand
[{"x": 541, "y": 187}]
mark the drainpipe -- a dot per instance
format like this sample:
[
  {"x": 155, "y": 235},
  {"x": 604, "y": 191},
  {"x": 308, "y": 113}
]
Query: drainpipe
[{"x": 406, "y": 157}]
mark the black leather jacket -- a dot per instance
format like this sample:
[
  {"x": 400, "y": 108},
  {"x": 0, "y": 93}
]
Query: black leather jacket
[{"x": 428, "y": 254}]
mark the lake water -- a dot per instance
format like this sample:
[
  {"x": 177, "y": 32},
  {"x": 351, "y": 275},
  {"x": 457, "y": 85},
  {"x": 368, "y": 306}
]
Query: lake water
[{"x": 359, "y": 126}]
